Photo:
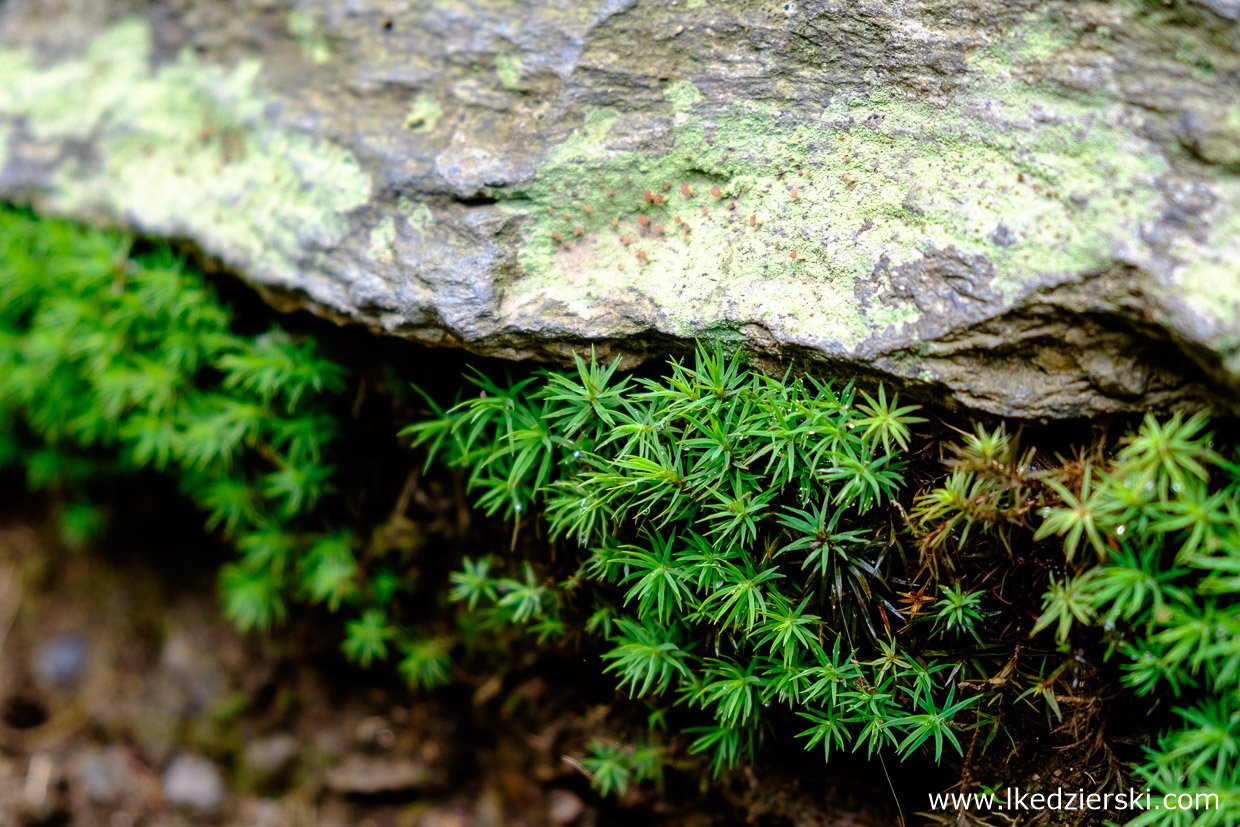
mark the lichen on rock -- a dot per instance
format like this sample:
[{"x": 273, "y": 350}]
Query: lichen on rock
[
  {"x": 1029, "y": 208},
  {"x": 185, "y": 150}
]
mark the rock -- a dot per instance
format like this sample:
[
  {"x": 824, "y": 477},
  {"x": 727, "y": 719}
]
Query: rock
[
  {"x": 105, "y": 776},
  {"x": 60, "y": 662},
  {"x": 192, "y": 673},
  {"x": 194, "y": 782},
  {"x": 270, "y": 756},
  {"x": 370, "y": 775},
  {"x": 563, "y": 807},
  {"x": 258, "y": 812},
  {"x": 1030, "y": 208},
  {"x": 40, "y": 784}
]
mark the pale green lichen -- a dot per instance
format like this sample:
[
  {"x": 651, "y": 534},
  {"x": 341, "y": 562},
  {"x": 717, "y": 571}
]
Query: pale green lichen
[
  {"x": 1041, "y": 185},
  {"x": 424, "y": 113},
  {"x": 419, "y": 215},
  {"x": 1209, "y": 279},
  {"x": 44, "y": 97},
  {"x": 1221, "y": 143},
  {"x": 683, "y": 95},
  {"x": 1043, "y": 38},
  {"x": 382, "y": 241},
  {"x": 508, "y": 70},
  {"x": 307, "y": 30},
  {"x": 184, "y": 150},
  {"x": 416, "y": 213}
]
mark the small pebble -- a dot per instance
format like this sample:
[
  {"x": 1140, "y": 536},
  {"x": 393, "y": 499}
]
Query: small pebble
[
  {"x": 193, "y": 781},
  {"x": 563, "y": 807},
  {"x": 271, "y": 755},
  {"x": 60, "y": 662}
]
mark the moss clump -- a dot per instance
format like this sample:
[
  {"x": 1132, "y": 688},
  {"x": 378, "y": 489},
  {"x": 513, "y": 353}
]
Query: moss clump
[
  {"x": 745, "y": 555},
  {"x": 112, "y": 362}
]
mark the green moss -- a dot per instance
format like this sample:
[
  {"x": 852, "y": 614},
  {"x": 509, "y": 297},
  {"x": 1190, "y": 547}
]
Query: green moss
[
  {"x": 186, "y": 149},
  {"x": 137, "y": 359},
  {"x": 719, "y": 505}
]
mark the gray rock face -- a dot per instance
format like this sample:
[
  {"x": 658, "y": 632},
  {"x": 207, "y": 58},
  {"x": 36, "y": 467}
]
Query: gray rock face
[{"x": 1032, "y": 208}]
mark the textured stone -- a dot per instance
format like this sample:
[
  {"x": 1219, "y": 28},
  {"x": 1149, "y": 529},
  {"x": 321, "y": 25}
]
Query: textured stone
[{"x": 1031, "y": 208}]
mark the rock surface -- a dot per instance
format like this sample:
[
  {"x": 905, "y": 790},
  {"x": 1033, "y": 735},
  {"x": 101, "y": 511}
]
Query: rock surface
[{"x": 1031, "y": 208}]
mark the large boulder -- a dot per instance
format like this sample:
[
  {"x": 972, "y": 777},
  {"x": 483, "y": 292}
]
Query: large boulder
[{"x": 1031, "y": 208}]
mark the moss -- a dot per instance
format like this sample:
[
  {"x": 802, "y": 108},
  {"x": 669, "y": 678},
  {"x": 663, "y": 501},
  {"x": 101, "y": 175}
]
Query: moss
[
  {"x": 876, "y": 178},
  {"x": 1097, "y": 593},
  {"x": 185, "y": 150}
]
